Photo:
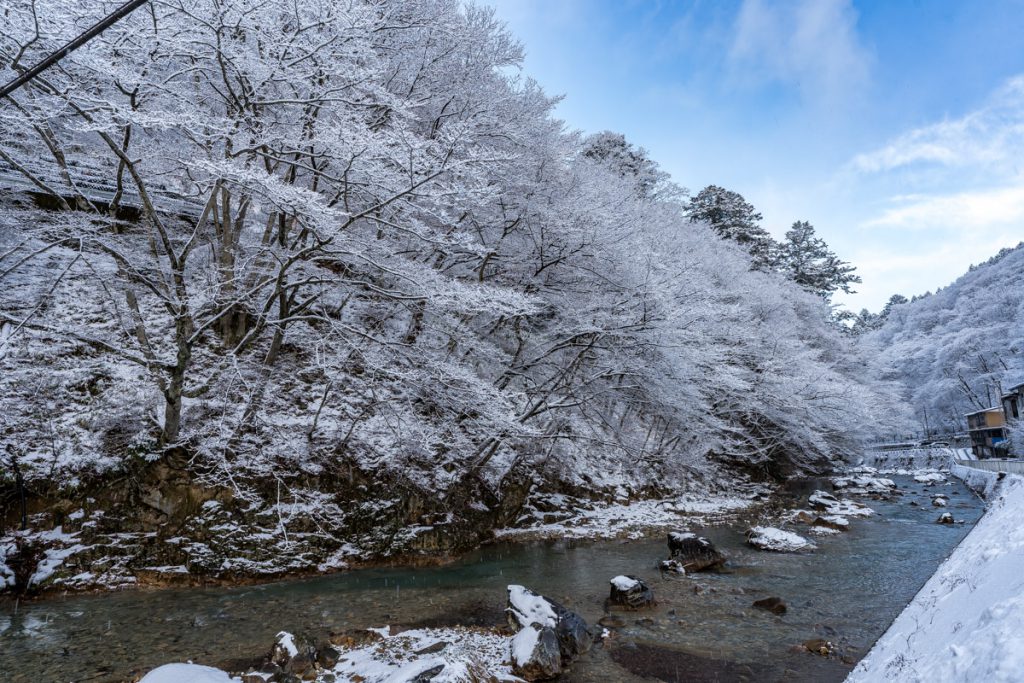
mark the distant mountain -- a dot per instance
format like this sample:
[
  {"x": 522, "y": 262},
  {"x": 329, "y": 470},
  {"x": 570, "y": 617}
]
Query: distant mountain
[{"x": 956, "y": 350}]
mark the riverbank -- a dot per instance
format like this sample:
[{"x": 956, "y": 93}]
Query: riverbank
[
  {"x": 86, "y": 553},
  {"x": 844, "y": 592},
  {"x": 967, "y": 623}
]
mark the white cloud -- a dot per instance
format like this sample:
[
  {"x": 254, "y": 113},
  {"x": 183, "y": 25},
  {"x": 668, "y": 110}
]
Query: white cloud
[
  {"x": 971, "y": 211},
  {"x": 812, "y": 44},
  {"x": 991, "y": 137}
]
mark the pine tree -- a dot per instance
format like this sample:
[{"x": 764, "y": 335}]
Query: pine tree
[
  {"x": 629, "y": 161},
  {"x": 806, "y": 260},
  {"x": 733, "y": 218}
]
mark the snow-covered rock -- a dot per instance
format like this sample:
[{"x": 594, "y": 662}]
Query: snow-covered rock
[
  {"x": 526, "y": 608},
  {"x": 929, "y": 478},
  {"x": 187, "y": 673},
  {"x": 777, "y": 540},
  {"x": 629, "y": 591},
  {"x": 864, "y": 484},
  {"x": 695, "y": 553},
  {"x": 822, "y": 500},
  {"x": 535, "y": 653}
]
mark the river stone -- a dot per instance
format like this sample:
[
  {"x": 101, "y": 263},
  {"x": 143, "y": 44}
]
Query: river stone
[
  {"x": 672, "y": 566},
  {"x": 631, "y": 592},
  {"x": 526, "y": 608},
  {"x": 428, "y": 675},
  {"x": 696, "y": 553},
  {"x": 536, "y": 655},
  {"x": 819, "y": 646},
  {"x": 836, "y": 522},
  {"x": 773, "y": 604},
  {"x": 945, "y": 518}
]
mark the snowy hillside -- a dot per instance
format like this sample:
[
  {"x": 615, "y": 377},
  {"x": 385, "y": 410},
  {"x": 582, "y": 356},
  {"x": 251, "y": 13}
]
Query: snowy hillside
[
  {"x": 346, "y": 278},
  {"x": 956, "y": 350}
]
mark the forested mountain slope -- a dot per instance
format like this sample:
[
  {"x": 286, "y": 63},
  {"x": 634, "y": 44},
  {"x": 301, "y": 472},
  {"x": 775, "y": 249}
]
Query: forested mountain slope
[
  {"x": 334, "y": 270},
  {"x": 956, "y": 351}
]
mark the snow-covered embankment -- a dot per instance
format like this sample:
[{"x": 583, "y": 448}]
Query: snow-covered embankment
[{"x": 967, "y": 623}]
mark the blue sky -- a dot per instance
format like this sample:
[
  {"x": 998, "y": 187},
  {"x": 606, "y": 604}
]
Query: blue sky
[{"x": 896, "y": 128}]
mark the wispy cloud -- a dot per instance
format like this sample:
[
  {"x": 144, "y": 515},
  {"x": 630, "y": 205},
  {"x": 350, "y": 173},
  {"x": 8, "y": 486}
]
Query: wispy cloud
[
  {"x": 991, "y": 136},
  {"x": 812, "y": 44},
  {"x": 965, "y": 210}
]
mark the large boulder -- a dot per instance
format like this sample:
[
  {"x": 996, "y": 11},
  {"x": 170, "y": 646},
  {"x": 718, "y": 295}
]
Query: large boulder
[
  {"x": 694, "y": 552},
  {"x": 535, "y": 653},
  {"x": 777, "y": 540},
  {"x": 526, "y": 608},
  {"x": 631, "y": 592}
]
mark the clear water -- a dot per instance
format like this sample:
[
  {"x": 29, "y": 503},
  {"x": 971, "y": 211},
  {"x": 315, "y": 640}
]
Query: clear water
[{"x": 703, "y": 628}]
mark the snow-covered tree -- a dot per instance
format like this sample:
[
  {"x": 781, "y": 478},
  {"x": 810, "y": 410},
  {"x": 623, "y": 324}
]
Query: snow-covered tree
[
  {"x": 733, "y": 218},
  {"x": 806, "y": 260}
]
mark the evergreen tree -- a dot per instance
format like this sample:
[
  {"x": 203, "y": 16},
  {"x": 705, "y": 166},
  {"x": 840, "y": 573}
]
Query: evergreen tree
[
  {"x": 629, "y": 161},
  {"x": 806, "y": 260},
  {"x": 733, "y": 218}
]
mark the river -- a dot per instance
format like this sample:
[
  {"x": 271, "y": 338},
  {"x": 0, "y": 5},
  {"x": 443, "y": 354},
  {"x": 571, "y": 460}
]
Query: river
[{"x": 703, "y": 629}]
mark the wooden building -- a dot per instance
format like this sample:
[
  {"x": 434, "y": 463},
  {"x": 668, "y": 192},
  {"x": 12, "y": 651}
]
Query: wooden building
[{"x": 988, "y": 430}]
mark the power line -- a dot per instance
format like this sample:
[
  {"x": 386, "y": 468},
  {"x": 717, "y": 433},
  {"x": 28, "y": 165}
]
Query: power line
[{"x": 101, "y": 26}]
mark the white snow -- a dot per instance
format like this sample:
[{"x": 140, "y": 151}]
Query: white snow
[
  {"x": 470, "y": 655},
  {"x": 967, "y": 624},
  {"x": 187, "y": 673},
  {"x": 287, "y": 642},
  {"x": 624, "y": 583},
  {"x": 523, "y": 645},
  {"x": 930, "y": 478},
  {"x": 835, "y": 506},
  {"x": 770, "y": 538},
  {"x": 529, "y": 608}
]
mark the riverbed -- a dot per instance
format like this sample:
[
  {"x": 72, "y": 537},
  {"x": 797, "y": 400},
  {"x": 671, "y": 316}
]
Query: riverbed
[{"x": 703, "y": 629}]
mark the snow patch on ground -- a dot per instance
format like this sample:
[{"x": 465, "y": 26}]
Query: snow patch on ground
[
  {"x": 469, "y": 655},
  {"x": 967, "y": 623},
  {"x": 588, "y": 519}
]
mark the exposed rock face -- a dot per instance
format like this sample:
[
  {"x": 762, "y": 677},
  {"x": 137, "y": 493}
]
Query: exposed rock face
[
  {"x": 777, "y": 540},
  {"x": 773, "y": 604},
  {"x": 631, "y": 592},
  {"x": 694, "y": 552}
]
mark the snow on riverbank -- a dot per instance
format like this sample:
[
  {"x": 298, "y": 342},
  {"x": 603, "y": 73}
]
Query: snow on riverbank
[
  {"x": 967, "y": 623},
  {"x": 577, "y": 518}
]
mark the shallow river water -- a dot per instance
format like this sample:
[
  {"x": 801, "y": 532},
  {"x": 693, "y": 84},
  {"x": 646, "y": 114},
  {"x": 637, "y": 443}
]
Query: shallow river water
[{"x": 703, "y": 629}]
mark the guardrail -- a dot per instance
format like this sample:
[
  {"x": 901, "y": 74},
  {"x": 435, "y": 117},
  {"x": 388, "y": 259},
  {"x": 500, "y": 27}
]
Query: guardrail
[{"x": 1009, "y": 466}]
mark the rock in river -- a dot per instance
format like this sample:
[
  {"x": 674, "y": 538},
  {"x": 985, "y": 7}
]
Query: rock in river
[
  {"x": 696, "y": 553},
  {"x": 773, "y": 604},
  {"x": 629, "y": 591},
  {"x": 777, "y": 540},
  {"x": 526, "y": 608},
  {"x": 535, "y": 653}
]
